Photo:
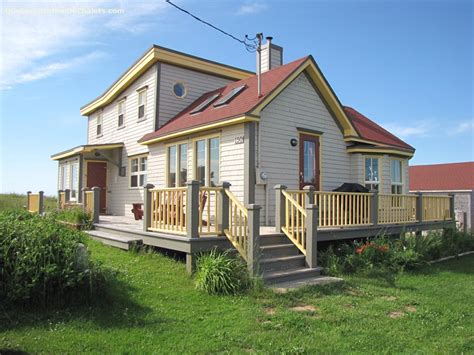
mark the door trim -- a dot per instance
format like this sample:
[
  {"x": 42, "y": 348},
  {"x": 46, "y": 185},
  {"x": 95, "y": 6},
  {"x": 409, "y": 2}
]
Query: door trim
[
  {"x": 106, "y": 176},
  {"x": 318, "y": 156}
]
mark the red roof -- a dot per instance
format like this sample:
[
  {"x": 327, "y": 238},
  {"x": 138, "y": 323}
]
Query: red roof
[
  {"x": 371, "y": 131},
  {"x": 240, "y": 105},
  {"x": 442, "y": 177}
]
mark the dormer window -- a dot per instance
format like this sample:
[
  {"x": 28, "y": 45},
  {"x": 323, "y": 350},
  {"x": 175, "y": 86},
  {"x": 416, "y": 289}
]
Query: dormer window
[
  {"x": 121, "y": 113},
  {"x": 179, "y": 90},
  {"x": 99, "y": 124},
  {"x": 141, "y": 103}
]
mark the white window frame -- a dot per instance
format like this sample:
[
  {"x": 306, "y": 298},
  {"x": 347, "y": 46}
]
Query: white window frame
[
  {"x": 99, "y": 124},
  {"x": 141, "y": 93},
  {"x": 373, "y": 182},
  {"x": 207, "y": 160},
  {"x": 74, "y": 190},
  {"x": 177, "y": 163},
  {"x": 139, "y": 171},
  {"x": 121, "y": 111},
  {"x": 62, "y": 177},
  {"x": 185, "y": 89},
  {"x": 396, "y": 184}
]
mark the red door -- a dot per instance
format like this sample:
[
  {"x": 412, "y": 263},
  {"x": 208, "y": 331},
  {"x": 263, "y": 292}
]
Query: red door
[
  {"x": 309, "y": 161},
  {"x": 97, "y": 176}
]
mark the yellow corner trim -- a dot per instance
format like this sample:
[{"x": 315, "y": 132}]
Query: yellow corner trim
[
  {"x": 219, "y": 124},
  {"x": 381, "y": 151},
  {"x": 321, "y": 84},
  {"x": 152, "y": 56}
]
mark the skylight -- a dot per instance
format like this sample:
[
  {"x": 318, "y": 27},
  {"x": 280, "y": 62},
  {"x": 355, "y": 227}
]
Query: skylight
[
  {"x": 230, "y": 95},
  {"x": 202, "y": 106}
]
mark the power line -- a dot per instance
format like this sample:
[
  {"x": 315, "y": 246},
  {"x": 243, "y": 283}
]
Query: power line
[{"x": 249, "y": 43}]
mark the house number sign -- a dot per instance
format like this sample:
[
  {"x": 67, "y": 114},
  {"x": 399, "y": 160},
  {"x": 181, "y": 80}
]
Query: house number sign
[{"x": 239, "y": 140}]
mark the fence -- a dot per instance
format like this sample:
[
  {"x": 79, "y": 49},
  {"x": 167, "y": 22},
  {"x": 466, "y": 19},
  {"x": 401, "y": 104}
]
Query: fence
[
  {"x": 395, "y": 209},
  {"x": 436, "y": 207}
]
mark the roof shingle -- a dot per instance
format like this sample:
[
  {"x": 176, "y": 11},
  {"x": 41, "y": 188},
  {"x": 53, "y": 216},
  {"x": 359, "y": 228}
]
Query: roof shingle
[{"x": 442, "y": 177}]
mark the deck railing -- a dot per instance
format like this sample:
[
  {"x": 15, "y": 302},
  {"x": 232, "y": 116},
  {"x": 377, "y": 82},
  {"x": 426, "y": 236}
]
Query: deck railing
[
  {"x": 237, "y": 231},
  {"x": 209, "y": 221},
  {"x": 295, "y": 218},
  {"x": 436, "y": 208},
  {"x": 396, "y": 209},
  {"x": 340, "y": 209},
  {"x": 88, "y": 201},
  {"x": 168, "y": 210},
  {"x": 34, "y": 202}
]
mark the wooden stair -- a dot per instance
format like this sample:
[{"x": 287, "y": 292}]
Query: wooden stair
[
  {"x": 114, "y": 237},
  {"x": 282, "y": 262}
]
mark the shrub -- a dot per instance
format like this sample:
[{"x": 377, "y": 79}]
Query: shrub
[
  {"x": 74, "y": 215},
  {"x": 220, "y": 273},
  {"x": 43, "y": 262}
]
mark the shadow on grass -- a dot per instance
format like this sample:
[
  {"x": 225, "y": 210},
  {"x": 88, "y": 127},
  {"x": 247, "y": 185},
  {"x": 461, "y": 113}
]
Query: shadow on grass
[
  {"x": 458, "y": 265},
  {"x": 111, "y": 307}
]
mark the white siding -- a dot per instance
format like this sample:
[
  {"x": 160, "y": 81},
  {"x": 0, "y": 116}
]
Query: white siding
[
  {"x": 299, "y": 106},
  {"x": 196, "y": 84},
  {"x": 275, "y": 57}
]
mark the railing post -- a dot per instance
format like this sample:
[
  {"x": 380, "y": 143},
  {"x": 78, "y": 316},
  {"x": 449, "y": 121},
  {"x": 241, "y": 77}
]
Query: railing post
[
  {"x": 451, "y": 208},
  {"x": 67, "y": 195},
  {"x": 84, "y": 197},
  {"x": 253, "y": 245},
  {"x": 192, "y": 209},
  {"x": 96, "y": 208},
  {"x": 279, "y": 207},
  {"x": 309, "y": 195},
  {"x": 147, "y": 206},
  {"x": 59, "y": 206},
  {"x": 28, "y": 193},
  {"x": 224, "y": 205},
  {"x": 419, "y": 207},
  {"x": 40, "y": 202},
  {"x": 374, "y": 208},
  {"x": 311, "y": 235}
]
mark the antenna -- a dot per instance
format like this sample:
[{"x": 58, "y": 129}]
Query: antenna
[{"x": 259, "y": 66}]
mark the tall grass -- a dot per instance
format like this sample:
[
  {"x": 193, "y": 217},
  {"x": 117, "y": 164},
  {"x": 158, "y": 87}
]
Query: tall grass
[{"x": 12, "y": 201}]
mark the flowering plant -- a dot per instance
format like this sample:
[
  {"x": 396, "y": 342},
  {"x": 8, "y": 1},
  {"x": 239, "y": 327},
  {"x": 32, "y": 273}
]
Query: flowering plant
[{"x": 382, "y": 248}]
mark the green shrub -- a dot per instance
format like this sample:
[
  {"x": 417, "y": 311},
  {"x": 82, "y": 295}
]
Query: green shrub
[
  {"x": 220, "y": 273},
  {"x": 74, "y": 215},
  {"x": 43, "y": 262}
]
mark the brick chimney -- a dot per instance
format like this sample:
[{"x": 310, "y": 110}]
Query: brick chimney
[{"x": 272, "y": 55}]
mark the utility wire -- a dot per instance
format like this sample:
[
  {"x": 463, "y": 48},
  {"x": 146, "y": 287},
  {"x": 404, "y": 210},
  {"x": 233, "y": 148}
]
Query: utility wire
[{"x": 249, "y": 43}]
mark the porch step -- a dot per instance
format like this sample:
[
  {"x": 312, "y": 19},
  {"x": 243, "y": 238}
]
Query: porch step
[
  {"x": 114, "y": 240},
  {"x": 120, "y": 232},
  {"x": 278, "y": 250},
  {"x": 272, "y": 239},
  {"x": 282, "y": 263},
  {"x": 301, "y": 273}
]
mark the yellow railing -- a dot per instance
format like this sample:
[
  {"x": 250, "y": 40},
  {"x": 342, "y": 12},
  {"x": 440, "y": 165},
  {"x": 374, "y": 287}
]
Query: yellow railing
[
  {"x": 168, "y": 210},
  {"x": 33, "y": 202},
  {"x": 62, "y": 199},
  {"x": 394, "y": 209},
  {"x": 295, "y": 219},
  {"x": 209, "y": 223},
  {"x": 436, "y": 208},
  {"x": 89, "y": 202},
  {"x": 339, "y": 209},
  {"x": 238, "y": 231}
]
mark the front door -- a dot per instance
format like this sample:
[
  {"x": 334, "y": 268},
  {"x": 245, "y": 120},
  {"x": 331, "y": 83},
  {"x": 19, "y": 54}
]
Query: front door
[
  {"x": 97, "y": 176},
  {"x": 309, "y": 161}
]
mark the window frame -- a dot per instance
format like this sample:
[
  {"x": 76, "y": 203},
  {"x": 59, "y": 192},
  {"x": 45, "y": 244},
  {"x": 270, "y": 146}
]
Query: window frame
[
  {"x": 62, "y": 176},
  {"x": 185, "y": 89},
  {"x": 177, "y": 163},
  {"x": 142, "y": 91},
  {"x": 207, "y": 161},
  {"x": 73, "y": 191},
  {"x": 378, "y": 182},
  {"x": 396, "y": 184},
  {"x": 121, "y": 104},
  {"x": 99, "y": 122},
  {"x": 139, "y": 172}
]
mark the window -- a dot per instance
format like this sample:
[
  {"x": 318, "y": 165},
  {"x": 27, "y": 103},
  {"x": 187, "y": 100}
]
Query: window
[
  {"x": 396, "y": 176},
  {"x": 207, "y": 161},
  {"x": 141, "y": 103},
  {"x": 203, "y": 105},
  {"x": 99, "y": 124},
  {"x": 229, "y": 96},
  {"x": 177, "y": 162},
  {"x": 179, "y": 90},
  {"x": 372, "y": 179},
  {"x": 138, "y": 168},
  {"x": 74, "y": 181},
  {"x": 121, "y": 113},
  {"x": 62, "y": 177}
]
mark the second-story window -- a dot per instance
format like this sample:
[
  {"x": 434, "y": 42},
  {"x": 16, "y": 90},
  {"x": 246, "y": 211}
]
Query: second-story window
[
  {"x": 141, "y": 104},
  {"x": 121, "y": 113},
  {"x": 99, "y": 124}
]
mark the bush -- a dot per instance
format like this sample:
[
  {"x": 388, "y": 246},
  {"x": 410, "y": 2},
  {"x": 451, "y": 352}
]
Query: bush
[
  {"x": 43, "y": 262},
  {"x": 74, "y": 215},
  {"x": 220, "y": 273}
]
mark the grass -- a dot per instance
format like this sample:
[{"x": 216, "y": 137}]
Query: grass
[
  {"x": 153, "y": 306},
  {"x": 9, "y": 201}
]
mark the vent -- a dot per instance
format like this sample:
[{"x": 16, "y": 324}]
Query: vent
[
  {"x": 230, "y": 95},
  {"x": 203, "y": 105}
]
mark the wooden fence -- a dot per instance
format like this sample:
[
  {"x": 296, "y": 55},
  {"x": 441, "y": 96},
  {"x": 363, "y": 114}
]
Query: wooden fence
[
  {"x": 396, "y": 209},
  {"x": 436, "y": 208}
]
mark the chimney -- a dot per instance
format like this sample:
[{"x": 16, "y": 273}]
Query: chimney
[{"x": 272, "y": 56}]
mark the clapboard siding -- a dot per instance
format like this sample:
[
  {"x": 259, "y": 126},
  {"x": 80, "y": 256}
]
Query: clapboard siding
[
  {"x": 275, "y": 57},
  {"x": 299, "y": 106},
  {"x": 196, "y": 84}
]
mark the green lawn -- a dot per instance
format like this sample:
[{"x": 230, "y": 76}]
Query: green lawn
[
  {"x": 154, "y": 307},
  {"x": 8, "y": 201}
]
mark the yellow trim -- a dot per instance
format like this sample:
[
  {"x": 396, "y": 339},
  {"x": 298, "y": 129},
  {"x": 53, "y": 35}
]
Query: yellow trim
[
  {"x": 152, "y": 56},
  {"x": 360, "y": 140},
  {"x": 380, "y": 151},
  {"x": 82, "y": 149},
  {"x": 326, "y": 92},
  {"x": 219, "y": 124}
]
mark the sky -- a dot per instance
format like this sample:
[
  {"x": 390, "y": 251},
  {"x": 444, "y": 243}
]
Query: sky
[{"x": 408, "y": 65}]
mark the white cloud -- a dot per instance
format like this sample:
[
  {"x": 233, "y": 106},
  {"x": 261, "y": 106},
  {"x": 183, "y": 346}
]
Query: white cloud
[
  {"x": 463, "y": 127},
  {"x": 420, "y": 129},
  {"x": 252, "y": 8},
  {"x": 39, "y": 39}
]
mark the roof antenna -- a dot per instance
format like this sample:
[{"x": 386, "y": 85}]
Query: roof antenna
[{"x": 259, "y": 66}]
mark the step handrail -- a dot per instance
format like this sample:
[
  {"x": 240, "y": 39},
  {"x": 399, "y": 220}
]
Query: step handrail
[
  {"x": 237, "y": 231},
  {"x": 295, "y": 222}
]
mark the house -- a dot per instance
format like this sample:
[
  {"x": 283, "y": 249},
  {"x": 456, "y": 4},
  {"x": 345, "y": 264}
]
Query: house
[
  {"x": 452, "y": 178},
  {"x": 212, "y": 150}
]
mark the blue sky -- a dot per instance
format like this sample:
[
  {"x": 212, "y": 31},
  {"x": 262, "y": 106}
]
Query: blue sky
[{"x": 406, "y": 64}]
